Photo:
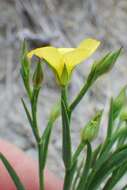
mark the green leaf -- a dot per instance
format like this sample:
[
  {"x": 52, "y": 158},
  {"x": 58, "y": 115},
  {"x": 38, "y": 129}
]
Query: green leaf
[
  {"x": 106, "y": 149},
  {"x": 78, "y": 173},
  {"x": 110, "y": 121},
  {"x": 27, "y": 112},
  {"x": 116, "y": 176},
  {"x": 35, "y": 132},
  {"x": 86, "y": 169},
  {"x": 12, "y": 173},
  {"x": 122, "y": 139},
  {"x": 124, "y": 188},
  {"x": 55, "y": 112},
  {"x": 105, "y": 153},
  {"x": 45, "y": 142},
  {"x": 112, "y": 163},
  {"x": 78, "y": 151},
  {"x": 95, "y": 154}
]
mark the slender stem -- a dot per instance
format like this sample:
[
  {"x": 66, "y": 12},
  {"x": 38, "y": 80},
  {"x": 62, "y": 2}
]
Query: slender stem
[
  {"x": 79, "y": 97},
  {"x": 64, "y": 95},
  {"x": 41, "y": 170},
  {"x": 66, "y": 144},
  {"x": 69, "y": 174},
  {"x": 38, "y": 138},
  {"x": 67, "y": 180},
  {"x": 34, "y": 114}
]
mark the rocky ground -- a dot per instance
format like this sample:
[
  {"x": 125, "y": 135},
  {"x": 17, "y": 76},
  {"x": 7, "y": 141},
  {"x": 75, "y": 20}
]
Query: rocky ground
[{"x": 57, "y": 22}]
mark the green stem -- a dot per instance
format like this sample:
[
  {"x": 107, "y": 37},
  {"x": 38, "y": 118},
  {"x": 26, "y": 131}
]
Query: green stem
[
  {"x": 66, "y": 139},
  {"x": 34, "y": 115},
  {"x": 79, "y": 97},
  {"x": 69, "y": 174},
  {"x": 37, "y": 136},
  {"x": 41, "y": 169},
  {"x": 67, "y": 180},
  {"x": 64, "y": 95}
]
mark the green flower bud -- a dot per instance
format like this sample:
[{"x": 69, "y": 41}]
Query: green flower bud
[
  {"x": 103, "y": 66},
  {"x": 55, "y": 112},
  {"x": 24, "y": 60},
  {"x": 25, "y": 68},
  {"x": 90, "y": 131},
  {"x": 38, "y": 76},
  {"x": 123, "y": 114},
  {"x": 119, "y": 102}
]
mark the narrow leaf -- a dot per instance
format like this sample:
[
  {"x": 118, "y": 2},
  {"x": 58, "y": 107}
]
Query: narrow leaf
[
  {"x": 111, "y": 164},
  {"x": 110, "y": 121},
  {"x": 106, "y": 149},
  {"x": 86, "y": 169},
  {"x": 116, "y": 176},
  {"x": 32, "y": 125},
  {"x": 45, "y": 139},
  {"x": 12, "y": 173},
  {"x": 124, "y": 188},
  {"x": 95, "y": 154},
  {"x": 27, "y": 112},
  {"x": 78, "y": 151}
]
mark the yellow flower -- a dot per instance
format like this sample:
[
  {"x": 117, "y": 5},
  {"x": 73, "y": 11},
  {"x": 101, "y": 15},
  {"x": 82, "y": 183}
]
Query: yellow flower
[{"x": 64, "y": 60}]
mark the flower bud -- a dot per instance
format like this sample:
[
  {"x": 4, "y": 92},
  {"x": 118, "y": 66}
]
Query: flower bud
[
  {"x": 55, "y": 112},
  {"x": 38, "y": 76},
  {"x": 24, "y": 60},
  {"x": 90, "y": 131},
  {"x": 119, "y": 102},
  {"x": 103, "y": 66},
  {"x": 123, "y": 114}
]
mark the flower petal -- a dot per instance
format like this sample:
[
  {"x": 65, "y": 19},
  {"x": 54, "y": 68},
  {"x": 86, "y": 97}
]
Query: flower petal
[
  {"x": 84, "y": 50},
  {"x": 65, "y": 50},
  {"x": 51, "y": 55},
  {"x": 90, "y": 44}
]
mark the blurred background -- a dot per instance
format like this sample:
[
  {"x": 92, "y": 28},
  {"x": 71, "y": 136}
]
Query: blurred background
[{"x": 60, "y": 23}]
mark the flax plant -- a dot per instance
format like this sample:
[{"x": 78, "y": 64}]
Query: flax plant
[{"x": 86, "y": 168}]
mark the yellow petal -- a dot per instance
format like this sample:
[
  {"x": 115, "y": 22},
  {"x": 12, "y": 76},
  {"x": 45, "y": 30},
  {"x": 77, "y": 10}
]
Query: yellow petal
[
  {"x": 51, "y": 55},
  {"x": 84, "y": 50},
  {"x": 89, "y": 43},
  {"x": 65, "y": 50}
]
